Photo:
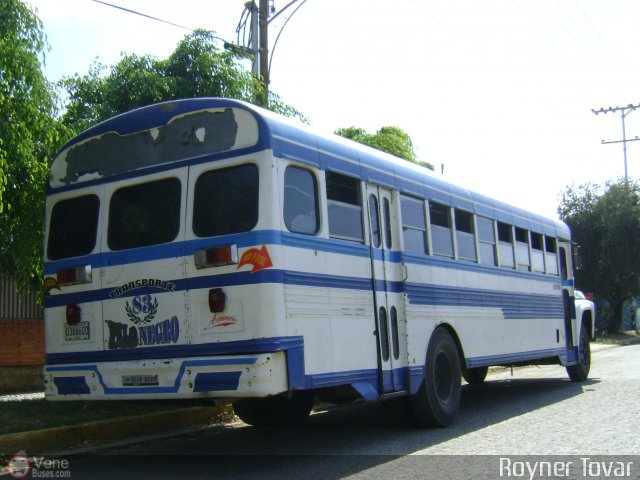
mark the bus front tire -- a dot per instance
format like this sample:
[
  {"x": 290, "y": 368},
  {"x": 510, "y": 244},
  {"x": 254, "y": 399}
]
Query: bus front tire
[
  {"x": 437, "y": 401},
  {"x": 279, "y": 410},
  {"x": 580, "y": 371}
]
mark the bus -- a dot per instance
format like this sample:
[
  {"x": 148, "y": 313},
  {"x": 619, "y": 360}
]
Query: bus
[{"x": 210, "y": 249}]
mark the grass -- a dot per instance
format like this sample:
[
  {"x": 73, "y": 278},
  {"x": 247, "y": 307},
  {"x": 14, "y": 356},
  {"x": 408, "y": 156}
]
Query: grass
[{"x": 26, "y": 415}]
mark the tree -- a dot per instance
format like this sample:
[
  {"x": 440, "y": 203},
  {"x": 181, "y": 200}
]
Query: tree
[
  {"x": 605, "y": 223},
  {"x": 28, "y": 135},
  {"x": 392, "y": 140},
  {"x": 197, "y": 68}
]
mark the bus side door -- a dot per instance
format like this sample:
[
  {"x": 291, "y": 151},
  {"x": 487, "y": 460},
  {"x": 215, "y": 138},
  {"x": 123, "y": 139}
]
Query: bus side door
[{"x": 385, "y": 300}]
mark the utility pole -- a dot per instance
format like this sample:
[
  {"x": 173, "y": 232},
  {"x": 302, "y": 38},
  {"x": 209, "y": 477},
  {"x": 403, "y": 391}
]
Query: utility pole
[
  {"x": 263, "y": 19},
  {"x": 258, "y": 37},
  {"x": 624, "y": 111}
]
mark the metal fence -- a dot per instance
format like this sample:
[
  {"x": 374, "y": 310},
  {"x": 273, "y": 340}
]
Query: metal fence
[{"x": 14, "y": 305}]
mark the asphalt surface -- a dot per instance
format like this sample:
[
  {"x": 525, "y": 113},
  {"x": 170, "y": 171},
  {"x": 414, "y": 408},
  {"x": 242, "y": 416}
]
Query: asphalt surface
[{"x": 92, "y": 436}]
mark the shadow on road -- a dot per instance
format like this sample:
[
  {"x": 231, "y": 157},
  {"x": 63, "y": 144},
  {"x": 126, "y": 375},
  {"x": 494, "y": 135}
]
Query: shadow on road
[{"x": 338, "y": 443}]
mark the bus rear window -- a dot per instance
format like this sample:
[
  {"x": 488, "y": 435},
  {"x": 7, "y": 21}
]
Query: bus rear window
[
  {"x": 73, "y": 226},
  {"x": 145, "y": 214},
  {"x": 226, "y": 201}
]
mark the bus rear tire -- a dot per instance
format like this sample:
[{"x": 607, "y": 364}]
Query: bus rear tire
[
  {"x": 475, "y": 376},
  {"x": 580, "y": 371},
  {"x": 279, "y": 410},
  {"x": 437, "y": 401}
]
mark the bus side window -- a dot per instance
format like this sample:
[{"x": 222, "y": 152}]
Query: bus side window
[
  {"x": 344, "y": 203},
  {"x": 537, "y": 253},
  {"x": 300, "y": 201},
  {"x": 465, "y": 237},
  {"x": 487, "y": 241},
  {"x": 522, "y": 248},
  {"x": 505, "y": 244},
  {"x": 414, "y": 226},
  {"x": 441, "y": 229},
  {"x": 551, "y": 256}
]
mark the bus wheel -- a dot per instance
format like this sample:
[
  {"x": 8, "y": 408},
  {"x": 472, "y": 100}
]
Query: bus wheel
[
  {"x": 437, "y": 401},
  {"x": 475, "y": 376},
  {"x": 580, "y": 371},
  {"x": 279, "y": 410}
]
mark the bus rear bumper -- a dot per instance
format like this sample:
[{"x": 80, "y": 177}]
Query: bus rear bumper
[{"x": 236, "y": 376}]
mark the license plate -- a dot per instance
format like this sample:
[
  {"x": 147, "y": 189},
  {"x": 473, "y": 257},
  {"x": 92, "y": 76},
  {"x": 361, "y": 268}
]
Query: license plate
[
  {"x": 77, "y": 332},
  {"x": 139, "y": 380}
]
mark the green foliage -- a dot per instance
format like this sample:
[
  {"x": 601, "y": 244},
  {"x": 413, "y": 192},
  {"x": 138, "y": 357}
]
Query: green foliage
[
  {"x": 605, "y": 223},
  {"x": 28, "y": 135},
  {"x": 392, "y": 140},
  {"x": 197, "y": 68}
]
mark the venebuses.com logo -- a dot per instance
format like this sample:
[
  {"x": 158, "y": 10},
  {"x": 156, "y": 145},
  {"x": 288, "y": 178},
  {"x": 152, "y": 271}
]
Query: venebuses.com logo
[{"x": 20, "y": 466}]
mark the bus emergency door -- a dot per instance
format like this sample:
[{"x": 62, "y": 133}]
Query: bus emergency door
[{"x": 381, "y": 241}]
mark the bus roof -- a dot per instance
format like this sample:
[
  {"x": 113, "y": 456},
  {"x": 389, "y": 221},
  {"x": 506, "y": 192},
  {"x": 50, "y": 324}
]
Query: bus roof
[{"x": 156, "y": 137}]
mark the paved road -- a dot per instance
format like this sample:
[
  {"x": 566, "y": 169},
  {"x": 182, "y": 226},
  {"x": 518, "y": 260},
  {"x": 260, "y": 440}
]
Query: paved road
[{"x": 535, "y": 412}]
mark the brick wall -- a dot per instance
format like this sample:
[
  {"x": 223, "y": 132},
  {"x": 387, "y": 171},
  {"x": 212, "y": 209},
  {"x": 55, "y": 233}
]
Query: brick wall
[{"x": 21, "y": 342}]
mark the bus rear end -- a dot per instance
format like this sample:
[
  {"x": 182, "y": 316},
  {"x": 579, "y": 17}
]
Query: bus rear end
[{"x": 157, "y": 257}]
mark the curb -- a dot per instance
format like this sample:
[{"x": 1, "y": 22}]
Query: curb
[{"x": 103, "y": 431}]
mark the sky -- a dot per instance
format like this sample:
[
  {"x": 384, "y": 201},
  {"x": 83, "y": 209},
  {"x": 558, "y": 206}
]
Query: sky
[{"x": 497, "y": 94}]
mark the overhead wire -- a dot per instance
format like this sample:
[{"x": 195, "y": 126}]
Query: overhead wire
[{"x": 150, "y": 17}]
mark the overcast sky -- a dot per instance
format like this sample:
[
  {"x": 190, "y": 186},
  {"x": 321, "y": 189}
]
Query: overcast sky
[{"x": 499, "y": 91}]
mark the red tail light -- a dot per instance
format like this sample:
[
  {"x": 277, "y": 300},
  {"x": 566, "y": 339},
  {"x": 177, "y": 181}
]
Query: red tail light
[
  {"x": 216, "y": 256},
  {"x": 217, "y": 300},
  {"x": 73, "y": 314},
  {"x": 74, "y": 275}
]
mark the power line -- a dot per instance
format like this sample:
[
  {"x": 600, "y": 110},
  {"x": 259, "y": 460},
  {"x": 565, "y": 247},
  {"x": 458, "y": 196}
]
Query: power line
[
  {"x": 142, "y": 15},
  {"x": 226, "y": 43}
]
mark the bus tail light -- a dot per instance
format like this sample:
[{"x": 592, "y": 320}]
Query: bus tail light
[
  {"x": 73, "y": 314},
  {"x": 74, "y": 275},
  {"x": 216, "y": 256},
  {"x": 217, "y": 300}
]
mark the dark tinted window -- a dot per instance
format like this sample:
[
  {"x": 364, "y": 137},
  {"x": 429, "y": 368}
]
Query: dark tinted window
[
  {"x": 73, "y": 226},
  {"x": 145, "y": 214},
  {"x": 226, "y": 201},
  {"x": 300, "y": 201}
]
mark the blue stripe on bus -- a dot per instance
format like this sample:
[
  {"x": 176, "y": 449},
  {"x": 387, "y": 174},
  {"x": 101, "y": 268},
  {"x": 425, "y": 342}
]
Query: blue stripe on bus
[
  {"x": 242, "y": 240},
  {"x": 513, "y": 305},
  {"x": 276, "y": 276}
]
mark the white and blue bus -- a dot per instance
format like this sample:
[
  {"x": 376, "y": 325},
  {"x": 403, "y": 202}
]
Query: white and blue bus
[{"x": 207, "y": 248}]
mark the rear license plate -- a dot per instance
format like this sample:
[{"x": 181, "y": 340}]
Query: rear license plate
[
  {"x": 77, "y": 332},
  {"x": 139, "y": 380}
]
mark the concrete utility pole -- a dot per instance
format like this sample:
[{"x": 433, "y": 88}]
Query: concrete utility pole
[{"x": 624, "y": 111}]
